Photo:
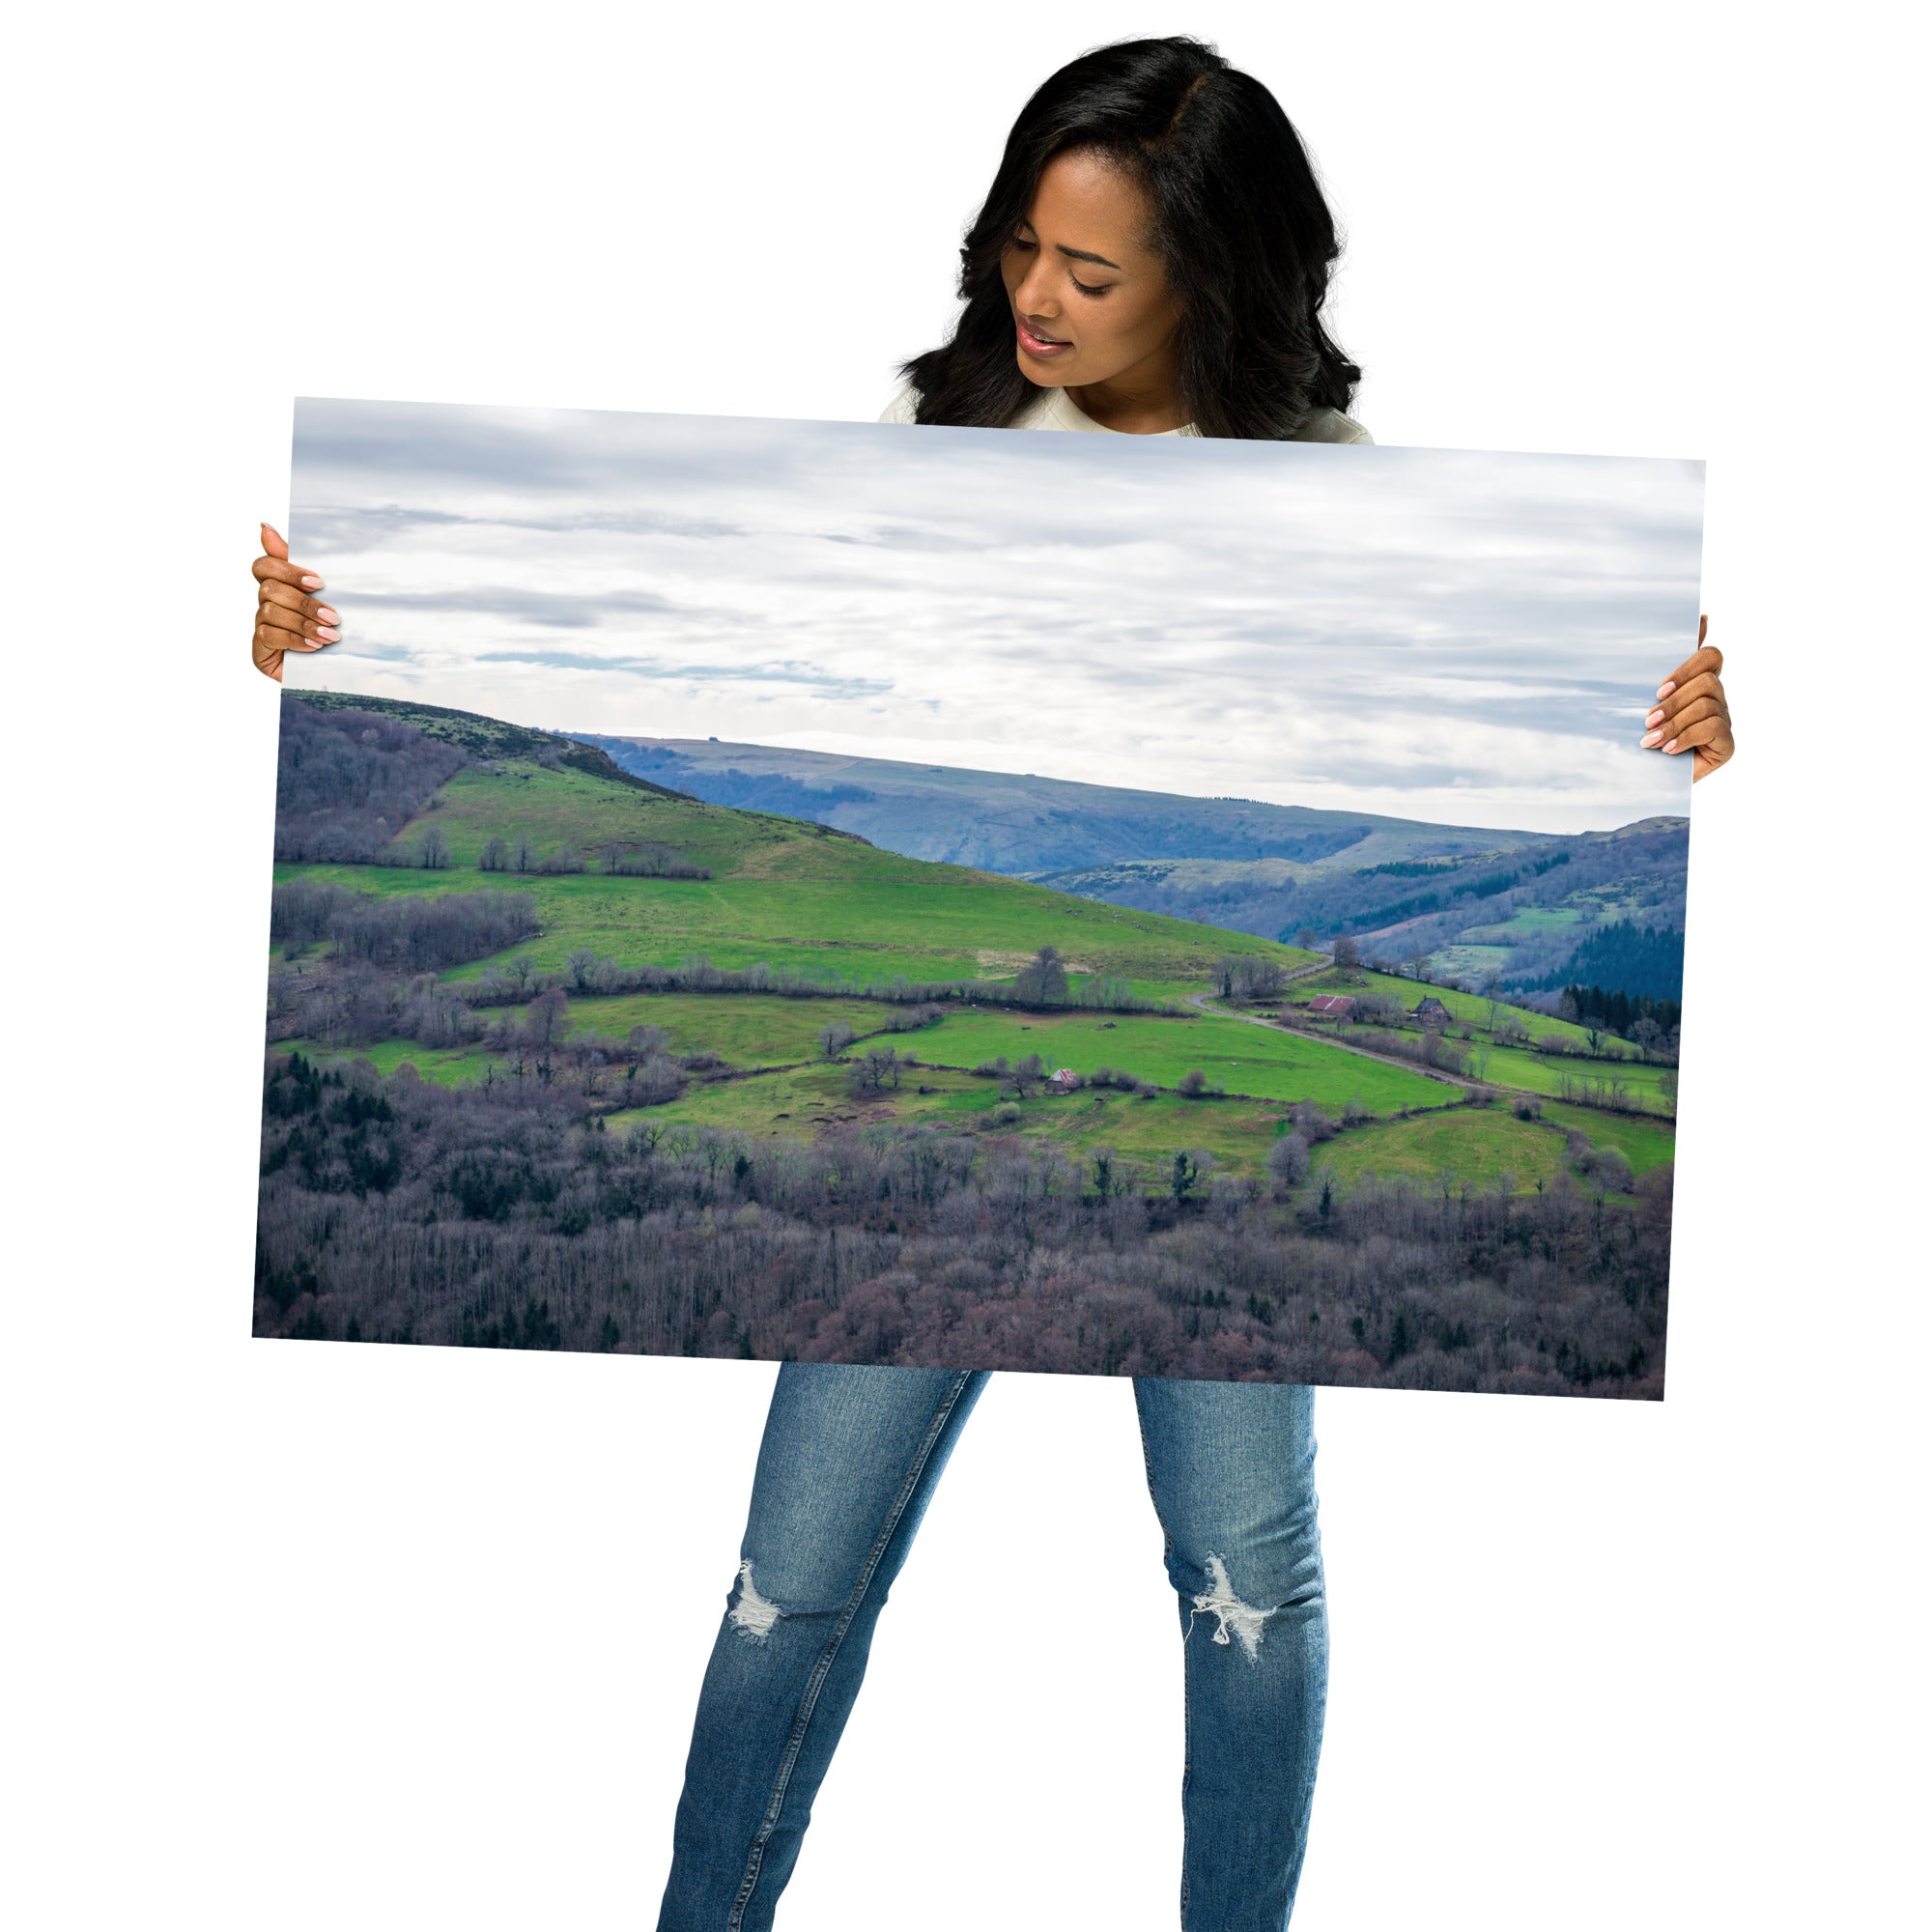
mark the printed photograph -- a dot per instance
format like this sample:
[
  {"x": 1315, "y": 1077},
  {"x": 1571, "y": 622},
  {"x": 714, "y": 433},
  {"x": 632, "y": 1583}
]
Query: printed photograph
[{"x": 862, "y": 892}]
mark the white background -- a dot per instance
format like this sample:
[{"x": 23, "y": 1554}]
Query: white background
[{"x": 314, "y": 1637}]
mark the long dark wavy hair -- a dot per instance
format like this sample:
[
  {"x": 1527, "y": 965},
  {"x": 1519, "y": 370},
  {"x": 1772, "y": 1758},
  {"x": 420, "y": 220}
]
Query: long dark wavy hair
[{"x": 1241, "y": 229}]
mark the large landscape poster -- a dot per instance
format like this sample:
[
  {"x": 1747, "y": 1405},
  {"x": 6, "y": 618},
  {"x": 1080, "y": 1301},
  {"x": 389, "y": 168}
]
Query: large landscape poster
[{"x": 970, "y": 899}]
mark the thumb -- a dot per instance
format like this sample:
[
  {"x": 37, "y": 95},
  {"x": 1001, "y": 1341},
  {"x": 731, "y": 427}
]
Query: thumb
[{"x": 273, "y": 545}]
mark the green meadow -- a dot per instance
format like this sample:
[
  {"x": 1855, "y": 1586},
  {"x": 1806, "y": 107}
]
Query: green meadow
[
  {"x": 1471, "y": 1146},
  {"x": 791, "y": 895},
  {"x": 1244, "y": 1059},
  {"x": 783, "y": 893},
  {"x": 746, "y": 1029}
]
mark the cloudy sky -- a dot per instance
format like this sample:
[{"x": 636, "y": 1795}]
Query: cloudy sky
[{"x": 1457, "y": 636}]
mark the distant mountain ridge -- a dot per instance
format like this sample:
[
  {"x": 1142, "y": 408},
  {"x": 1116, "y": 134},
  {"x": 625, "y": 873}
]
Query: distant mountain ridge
[{"x": 1021, "y": 823}]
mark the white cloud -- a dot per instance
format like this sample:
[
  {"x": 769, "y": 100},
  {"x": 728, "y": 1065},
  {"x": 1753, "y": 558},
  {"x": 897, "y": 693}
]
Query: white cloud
[{"x": 1438, "y": 634}]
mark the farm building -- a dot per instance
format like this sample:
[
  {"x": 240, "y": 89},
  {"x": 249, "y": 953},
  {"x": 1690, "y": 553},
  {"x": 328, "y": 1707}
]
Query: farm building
[
  {"x": 1063, "y": 1080},
  {"x": 1430, "y": 1011},
  {"x": 1331, "y": 1006}
]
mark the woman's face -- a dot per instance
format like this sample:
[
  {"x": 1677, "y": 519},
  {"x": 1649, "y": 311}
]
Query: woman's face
[{"x": 1091, "y": 301}]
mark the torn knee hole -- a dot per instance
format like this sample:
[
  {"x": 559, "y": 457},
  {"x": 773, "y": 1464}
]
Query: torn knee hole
[
  {"x": 752, "y": 1616},
  {"x": 1235, "y": 1620}
]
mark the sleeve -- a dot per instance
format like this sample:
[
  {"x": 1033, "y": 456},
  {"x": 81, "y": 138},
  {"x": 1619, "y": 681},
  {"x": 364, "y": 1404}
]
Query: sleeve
[{"x": 1332, "y": 426}]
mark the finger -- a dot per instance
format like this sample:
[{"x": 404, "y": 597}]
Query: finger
[
  {"x": 268, "y": 570},
  {"x": 290, "y": 627},
  {"x": 1709, "y": 657},
  {"x": 1709, "y": 731},
  {"x": 1708, "y": 758},
  {"x": 275, "y": 543},
  {"x": 1693, "y": 714},
  {"x": 1703, "y": 630},
  {"x": 280, "y": 594},
  {"x": 1709, "y": 684},
  {"x": 268, "y": 639}
]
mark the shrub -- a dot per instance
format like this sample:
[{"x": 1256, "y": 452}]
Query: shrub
[
  {"x": 1004, "y": 1114},
  {"x": 877, "y": 1068},
  {"x": 1289, "y": 1163}
]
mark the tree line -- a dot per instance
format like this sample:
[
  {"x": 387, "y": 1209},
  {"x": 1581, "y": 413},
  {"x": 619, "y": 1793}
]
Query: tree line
[
  {"x": 347, "y": 781},
  {"x": 398, "y": 1210},
  {"x": 1042, "y": 985},
  {"x": 414, "y": 932}
]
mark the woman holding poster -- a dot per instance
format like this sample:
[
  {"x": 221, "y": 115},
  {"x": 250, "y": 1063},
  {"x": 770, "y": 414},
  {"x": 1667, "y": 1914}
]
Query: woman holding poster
[{"x": 1152, "y": 259}]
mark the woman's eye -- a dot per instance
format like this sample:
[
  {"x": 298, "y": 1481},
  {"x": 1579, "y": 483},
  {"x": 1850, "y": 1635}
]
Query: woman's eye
[{"x": 1095, "y": 289}]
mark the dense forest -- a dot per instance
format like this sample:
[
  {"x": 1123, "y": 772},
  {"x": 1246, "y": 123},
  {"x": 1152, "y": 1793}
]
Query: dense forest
[
  {"x": 399, "y": 1210},
  {"x": 1644, "y": 963}
]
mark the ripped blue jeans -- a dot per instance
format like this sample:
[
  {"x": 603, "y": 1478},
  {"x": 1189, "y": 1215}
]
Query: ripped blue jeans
[{"x": 849, "y": 1461}]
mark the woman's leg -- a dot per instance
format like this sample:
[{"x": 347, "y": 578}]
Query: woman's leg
[
  {"x": 848, "y": 1462},
  {"x": 1232, "y": 1468}
]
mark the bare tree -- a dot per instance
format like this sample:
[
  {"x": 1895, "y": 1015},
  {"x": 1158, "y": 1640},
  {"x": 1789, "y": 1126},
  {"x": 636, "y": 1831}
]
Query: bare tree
[
  {"x": 546, "y": 1019},
  {"x": 1043, "y": 981}
]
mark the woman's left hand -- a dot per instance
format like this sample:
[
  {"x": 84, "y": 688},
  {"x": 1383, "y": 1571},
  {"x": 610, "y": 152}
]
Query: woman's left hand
[{"x": 1691, "y": 713}]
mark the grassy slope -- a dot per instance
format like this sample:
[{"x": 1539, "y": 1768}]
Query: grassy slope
[
  {"x": 746, "y": 1029},
  {"x": 1477, "y": 1145},
  {"x": 785, "y": 892}
]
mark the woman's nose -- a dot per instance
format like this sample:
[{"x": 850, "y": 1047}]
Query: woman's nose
[{"x": 1035, "y": 294}]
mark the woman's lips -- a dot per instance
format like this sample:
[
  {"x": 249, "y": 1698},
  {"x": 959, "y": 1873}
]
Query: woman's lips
[{"x": 1044, "y": 346}]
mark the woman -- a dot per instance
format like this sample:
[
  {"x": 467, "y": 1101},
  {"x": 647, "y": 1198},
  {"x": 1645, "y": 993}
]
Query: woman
[{"x": 1152, "y": 260}]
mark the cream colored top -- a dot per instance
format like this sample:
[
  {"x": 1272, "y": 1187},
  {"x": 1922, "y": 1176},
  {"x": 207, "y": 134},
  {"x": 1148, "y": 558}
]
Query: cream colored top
[{"x": 1055, "y": 409}]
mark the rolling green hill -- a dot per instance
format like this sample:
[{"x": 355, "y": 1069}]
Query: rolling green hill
[
  {"x": 743, "y": 1084},
  {"x": 788, "y": 894},
  {"x": 783, "y": 890}
]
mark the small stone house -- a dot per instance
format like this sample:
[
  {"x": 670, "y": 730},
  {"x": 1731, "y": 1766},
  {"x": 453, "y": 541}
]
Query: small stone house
[
  {"x": 1430, "y": 1011},
  {"x": 1331, "y": 1006},
  {"x": 1063, "y": 1080}
]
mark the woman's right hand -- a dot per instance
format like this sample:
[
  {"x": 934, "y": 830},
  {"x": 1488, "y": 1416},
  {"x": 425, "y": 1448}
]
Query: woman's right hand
[{"x": 286, "y": 618}]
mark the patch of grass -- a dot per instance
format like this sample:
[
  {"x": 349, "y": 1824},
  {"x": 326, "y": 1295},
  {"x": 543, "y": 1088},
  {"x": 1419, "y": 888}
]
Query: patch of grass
[
  {"x": 446, "y": 1066},
  {"x": 795, "y": 1105},
  {"x": 1244, "y": 1059},
  {"x": 1540, "y": 1073},
  {"x": 1525, "y": 920},
  {"x": 1644, "y": 1144},
  {"x": 1476, "y": 1145},
  {"x": 1463, "y": 961},
  {"x": 747, "y": 1029}
]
